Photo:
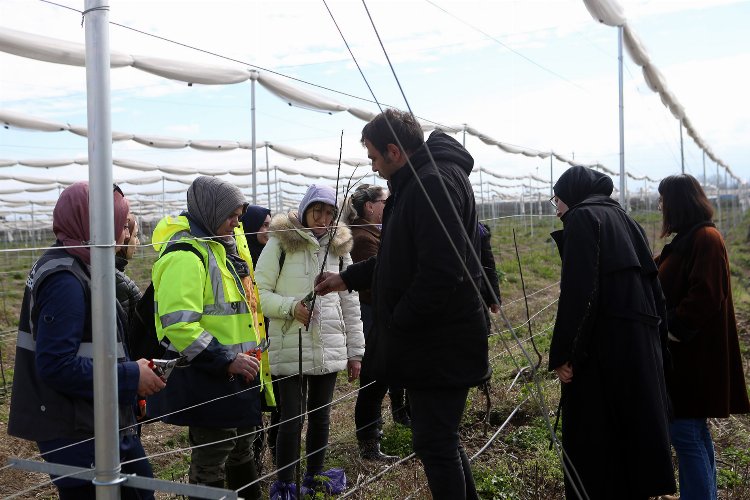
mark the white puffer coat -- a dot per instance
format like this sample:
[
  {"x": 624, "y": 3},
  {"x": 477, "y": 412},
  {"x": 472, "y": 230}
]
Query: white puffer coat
[{"x": 335, "y": 334}]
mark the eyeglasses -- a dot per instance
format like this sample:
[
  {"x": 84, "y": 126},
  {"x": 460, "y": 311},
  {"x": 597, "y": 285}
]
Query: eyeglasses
[
  {"x": 117, "y": 189},
  {"x": 553, "y": 201},
  {"x": 378, "y": 201}
]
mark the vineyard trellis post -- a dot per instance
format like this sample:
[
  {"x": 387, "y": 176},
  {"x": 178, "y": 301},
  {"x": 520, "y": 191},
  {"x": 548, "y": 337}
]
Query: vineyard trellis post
[
  {"x": 718, "y": 194},
  {"x": 268, "y": 178},
  {"x": 682, "y": 149},
  {"x": 101, "y": 221},
  {"x": 623, "y": 196},
  {"x": 253, "y": 78}
]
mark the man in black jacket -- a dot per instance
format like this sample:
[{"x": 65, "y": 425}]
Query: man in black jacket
[{"x": 430, "y": 332}]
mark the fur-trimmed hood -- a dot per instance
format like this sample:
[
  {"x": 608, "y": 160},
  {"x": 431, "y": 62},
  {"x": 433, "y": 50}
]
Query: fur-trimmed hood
[{"x": 294, "y": 237}]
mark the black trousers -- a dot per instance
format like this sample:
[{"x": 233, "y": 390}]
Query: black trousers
[
  {"x": 435, "y": 419},
  {"x": 367, "y": 411},
  {"x": 319, "y": 393}
]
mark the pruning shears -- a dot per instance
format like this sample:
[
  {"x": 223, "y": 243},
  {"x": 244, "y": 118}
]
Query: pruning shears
[
  {"x": 308, "y": 300},
  {"x": 163, "y": 367},
  {"x": 258, "y": 350}
]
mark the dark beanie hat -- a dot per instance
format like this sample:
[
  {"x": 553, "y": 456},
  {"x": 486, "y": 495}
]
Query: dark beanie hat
[
  {"x": 210, "y": 201},
  {"x": 578, "y": 183}
]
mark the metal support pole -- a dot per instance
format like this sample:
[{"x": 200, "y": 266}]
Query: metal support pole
[
  {"x": 726, "y": 188},
  {"x": 32, "y": 232},
  {"x": 718, "y": 193},
  {"x": 623, "y": 197},
  {"x": 704, "y": 170},
  {"x": 278, "y": 192},
  {"x": 163, "y": 198},
  {"x": 268, "y": 178},
  {"x": 481, "y": 193},
  {"x": 682, "y": 150},
  {"x": 551, "y": 177},
  {"x": 101, "y": 223},
  {"x": 531, "y": 210},
  {"x": 253, "y": 77}
]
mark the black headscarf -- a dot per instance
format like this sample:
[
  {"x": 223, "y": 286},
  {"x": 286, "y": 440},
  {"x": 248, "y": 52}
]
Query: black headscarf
[
  {"x": 252, "y": 220},
  {"x": 578, "y": 183}
]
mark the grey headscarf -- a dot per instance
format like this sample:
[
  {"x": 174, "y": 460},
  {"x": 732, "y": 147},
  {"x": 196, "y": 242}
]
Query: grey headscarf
[{"x": 210, "y": 201}]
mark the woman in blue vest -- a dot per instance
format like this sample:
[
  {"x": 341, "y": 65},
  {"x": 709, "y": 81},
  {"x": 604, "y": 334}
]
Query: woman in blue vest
[{"x": 53, "y": 392}]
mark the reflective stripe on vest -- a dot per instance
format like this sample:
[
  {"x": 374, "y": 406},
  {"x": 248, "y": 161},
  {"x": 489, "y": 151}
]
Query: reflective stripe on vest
[
  {"x": 201, "y": 344},
  {"x": 52, "y": 263},
  {"x": 220, "y": 307},
  {"x": 172, "y": 318},
  {"x": 85, "y": 349}
]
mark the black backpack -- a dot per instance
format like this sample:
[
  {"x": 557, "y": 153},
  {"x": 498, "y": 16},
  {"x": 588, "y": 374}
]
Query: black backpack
[{"x": 142, "y": 341}]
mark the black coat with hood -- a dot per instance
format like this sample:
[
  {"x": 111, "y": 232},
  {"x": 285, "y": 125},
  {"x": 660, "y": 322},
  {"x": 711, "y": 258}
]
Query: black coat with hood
[
  {"x": 611, "y": 326},
  {"x": 430, "y": 323}
]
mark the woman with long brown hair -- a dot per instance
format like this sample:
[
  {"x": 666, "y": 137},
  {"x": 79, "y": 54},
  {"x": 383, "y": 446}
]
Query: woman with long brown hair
[{"x": 706, "y": 379}]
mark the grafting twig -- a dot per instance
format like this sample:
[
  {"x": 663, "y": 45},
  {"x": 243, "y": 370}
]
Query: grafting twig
[
  {"x": 334, "y": 227},
  {"x": 526, "y": 300}
]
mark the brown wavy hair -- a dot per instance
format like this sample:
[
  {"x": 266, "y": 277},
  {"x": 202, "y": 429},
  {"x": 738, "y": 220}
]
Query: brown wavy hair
[{"x": 684, "y": 204}]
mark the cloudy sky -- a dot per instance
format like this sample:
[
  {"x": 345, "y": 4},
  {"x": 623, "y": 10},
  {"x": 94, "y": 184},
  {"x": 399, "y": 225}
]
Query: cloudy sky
[{"x": 537, "y": 74}]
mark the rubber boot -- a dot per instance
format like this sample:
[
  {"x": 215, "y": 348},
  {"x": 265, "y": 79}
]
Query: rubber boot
[
  {"x": 369, "y": 449},
  {"x": 240, "y": 475}
]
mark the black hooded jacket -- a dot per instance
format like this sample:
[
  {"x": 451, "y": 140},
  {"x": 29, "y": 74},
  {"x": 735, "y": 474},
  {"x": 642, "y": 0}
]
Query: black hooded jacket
[
  {"x": 430, "y": 322},
  {"x": 609, "y": 246},
  {"x": 611, "y": 326}
]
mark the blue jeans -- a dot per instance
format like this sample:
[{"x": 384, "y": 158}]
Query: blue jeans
[{"x": 695, "y": 453}]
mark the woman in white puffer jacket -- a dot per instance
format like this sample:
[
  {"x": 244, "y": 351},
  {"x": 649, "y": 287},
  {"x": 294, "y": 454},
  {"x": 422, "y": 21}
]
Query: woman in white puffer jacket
[{"x": 334, "y": 341}]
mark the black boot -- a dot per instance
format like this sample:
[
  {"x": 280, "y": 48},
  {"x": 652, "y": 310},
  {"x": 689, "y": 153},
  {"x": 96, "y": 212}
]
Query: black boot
[
  {"x": 240, "y": 475},
  {"x": 369, "y": 449},
  {"x": 400, "y": 406},
  {"x": 401, "y": 416}
]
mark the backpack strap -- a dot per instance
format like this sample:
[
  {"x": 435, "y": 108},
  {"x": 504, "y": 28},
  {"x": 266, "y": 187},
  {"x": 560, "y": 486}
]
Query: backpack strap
[
  {"x": 282, "y": 258},
  {"x": 185, "y": 247},
  {"x": 148, "y": 295}
]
